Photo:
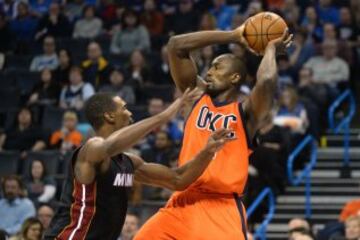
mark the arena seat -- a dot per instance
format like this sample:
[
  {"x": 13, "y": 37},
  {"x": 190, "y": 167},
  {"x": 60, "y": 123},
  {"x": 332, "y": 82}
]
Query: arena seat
[
  {"x": 164, "y": 92},
  {"x": 9, "y": 162},
  {"x": 26, "y": 80},
  {"x": 17, "y": 62},
  {"x": 50, "y": 158},
  {"x": 52, "y": 118},
  {"x": 10, "y": 99}
]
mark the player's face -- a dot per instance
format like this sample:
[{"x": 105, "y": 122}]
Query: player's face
[
  {"x": 123, "y": 117},
  {"x": 218, "y": 76}
]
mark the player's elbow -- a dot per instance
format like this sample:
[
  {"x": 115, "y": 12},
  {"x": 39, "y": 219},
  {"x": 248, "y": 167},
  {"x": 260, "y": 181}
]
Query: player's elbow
[{"x": 176, "y": 46}]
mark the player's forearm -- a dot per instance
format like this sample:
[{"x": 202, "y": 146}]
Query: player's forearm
[
  {"x": 189, "y": 172},
  {"x": 127, "y": 137},
  {"x": 185, "y": 43},
  {"x": 267, "y": 71}
]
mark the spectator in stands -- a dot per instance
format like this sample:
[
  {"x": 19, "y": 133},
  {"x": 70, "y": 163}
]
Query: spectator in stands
[
  {"x": 291, "y": 114},
  {"x": 286, "y": 73},
  {"x": 107, "y": 11},
  {"x": 6, "y": 37},
  {"x": 23, "y": 27},
  {"x": 117, "y": 85},
  {"x": 74, "y": 9},
  {"x": 130, "y": 228},
  {"x": 138, "y": 69},
  {"x": 113, "y": 22},
  {"x": 155, "y": 106},
  {"x": 89, "y": 26},
  {"x": 61, "y": 74},
  {"x": 355, "y": 10},
  {"x": 163, "y": 149},
  {"x": 298, "y": 226},
  {"x": 40, "y": 187},
  {"x": 352, "y": 228},
  {"x": 45, "y": 213},
  {"x": 24, "y": 136},
  {"x": 351, "y": 208},
  {"x": 31, "y": 229},
  {"x": 96, "y": 68},
  {"x": 14, "y": 207},
  {"x": 311, "y": 23},
  {"x": 67, "y": 138},
  {"x": 347, "y": 28},
  {"x": 46, "y": 92},
  {"x": 40, "y": 7},
  {"x": 185, "y": 20},
  {"x": 291, "y": 13},
  {"x": 132, "y": 35},
  {"x": 9, "y": 8},
  {"x": 301, "y": 50},
  {"x": 162, "y": 70},
  {"x": 223, "y": 14},
  {"x": 74, "y": 95},
  {"x": 343, "y": 47},
  {"x": 327, "y": 12},
  {"x": 54, "y": 23},
  {"x": 48, "y": 59},
  {"x": 207, "y": 22},
  {"x": 328, "y": 68},
  {"x": 152, "y": 19},
  {"x": 271, "y": 154}
]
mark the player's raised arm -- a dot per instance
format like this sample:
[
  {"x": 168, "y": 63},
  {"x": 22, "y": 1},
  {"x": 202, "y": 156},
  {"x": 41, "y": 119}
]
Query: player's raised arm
[
  {"x": 180, "y": 178},
  {"x": 99, "y": 149},
  {"x": 182, "y": 67},
  {"x": 258, "y": 106}
]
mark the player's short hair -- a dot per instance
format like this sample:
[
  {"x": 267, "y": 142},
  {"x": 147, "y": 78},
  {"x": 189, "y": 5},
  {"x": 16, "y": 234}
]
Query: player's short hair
[
  {"x": 96, "y": 106},
  {"x": 238, "y": 66}
]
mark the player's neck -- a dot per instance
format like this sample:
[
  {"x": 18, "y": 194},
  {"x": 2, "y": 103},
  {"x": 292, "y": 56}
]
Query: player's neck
[
  {"x": 227, "y": 96},
  {"x": 104, "y": 132}
]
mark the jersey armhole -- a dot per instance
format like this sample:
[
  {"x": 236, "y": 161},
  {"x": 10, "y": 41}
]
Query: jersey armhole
[
  {"x": 192, "y": 108},
  {"x": 250, "y": 142}
]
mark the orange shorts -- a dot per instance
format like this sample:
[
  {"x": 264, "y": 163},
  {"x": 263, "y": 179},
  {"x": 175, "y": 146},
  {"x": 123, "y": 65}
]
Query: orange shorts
[{"x": 191, "y": 215}]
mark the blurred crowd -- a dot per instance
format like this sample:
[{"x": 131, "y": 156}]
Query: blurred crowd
[{"x": 54, "y": 55}]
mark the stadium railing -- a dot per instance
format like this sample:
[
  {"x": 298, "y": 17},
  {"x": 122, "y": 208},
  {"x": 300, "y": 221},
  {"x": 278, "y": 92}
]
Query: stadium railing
[
  {"x": 344, "y": 123},
  {"x": 260, "y": 232},
  {"x": 305, "y": 174}
]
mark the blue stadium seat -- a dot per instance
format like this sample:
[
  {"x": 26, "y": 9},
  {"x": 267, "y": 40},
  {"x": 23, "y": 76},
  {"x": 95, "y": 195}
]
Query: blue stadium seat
[
  {"x": 17, "y": 62},
  {"x": 10, "y": 99},
  {"x": 26, "y": 80},
  {"x": 139, "y": 112},
  {"x": 52, "y": 118},
  {"x": 9, "y": 162},
  {"x": 164, "y": 92},
  {"x": 6, "y": 81},
  {"x": 50, "y": 158}
]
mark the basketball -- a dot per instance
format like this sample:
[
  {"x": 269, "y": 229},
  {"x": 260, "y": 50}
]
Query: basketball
[{"x": 262, "y": 28}]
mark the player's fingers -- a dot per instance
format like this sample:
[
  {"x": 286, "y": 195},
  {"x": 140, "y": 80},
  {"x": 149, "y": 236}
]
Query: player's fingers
[
  {"x": 218, "y": 133},
  {"x": 289, "y": 39},
  {"x": 285, "y": 34}
]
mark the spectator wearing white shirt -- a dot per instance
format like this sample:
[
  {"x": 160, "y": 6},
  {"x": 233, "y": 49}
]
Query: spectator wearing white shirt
[
  {"x": 89, "y": 26},
  {"x": 48, "y": 59},
  {"x": 328, "y": 68},
  {"x": 74, "y": 95}
]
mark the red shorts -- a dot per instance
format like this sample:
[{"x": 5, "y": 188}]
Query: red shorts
[{"x": 191, "y": 215}]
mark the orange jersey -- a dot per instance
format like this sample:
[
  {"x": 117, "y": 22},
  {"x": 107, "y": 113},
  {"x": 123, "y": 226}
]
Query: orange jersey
[{"x": 228, "y": 171}]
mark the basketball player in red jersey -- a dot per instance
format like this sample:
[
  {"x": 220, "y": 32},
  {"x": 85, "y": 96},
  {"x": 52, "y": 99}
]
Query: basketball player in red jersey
[
  {"x": 211, "y": 209},
  {"x": 94, "y": 200}
]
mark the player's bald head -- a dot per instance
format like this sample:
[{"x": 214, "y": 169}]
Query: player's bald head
[{"x": 236, "y": 64}]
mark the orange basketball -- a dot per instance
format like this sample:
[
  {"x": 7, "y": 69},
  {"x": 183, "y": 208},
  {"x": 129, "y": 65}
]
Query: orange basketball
[{"x": 262, "y": 28}]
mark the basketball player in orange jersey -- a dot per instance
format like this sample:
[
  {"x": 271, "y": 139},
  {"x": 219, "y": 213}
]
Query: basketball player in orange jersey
[
  {"x": 94, "y": 199},
  {"x": 211, "y": 208}
]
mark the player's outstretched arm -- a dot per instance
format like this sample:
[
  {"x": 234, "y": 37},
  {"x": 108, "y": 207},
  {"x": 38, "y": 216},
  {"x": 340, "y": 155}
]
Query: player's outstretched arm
[
  {"x": 98, "y": 149},
  {"x": 258, "y": 106},
  {"x": 182, "y": 67},
  {"x": 180, "y": 178}
]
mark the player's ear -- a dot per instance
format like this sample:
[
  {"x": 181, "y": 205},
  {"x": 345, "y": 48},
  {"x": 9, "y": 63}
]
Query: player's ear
[
  {"x": 109, "y": 117},
  {"x": 235, "y": 78}
]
